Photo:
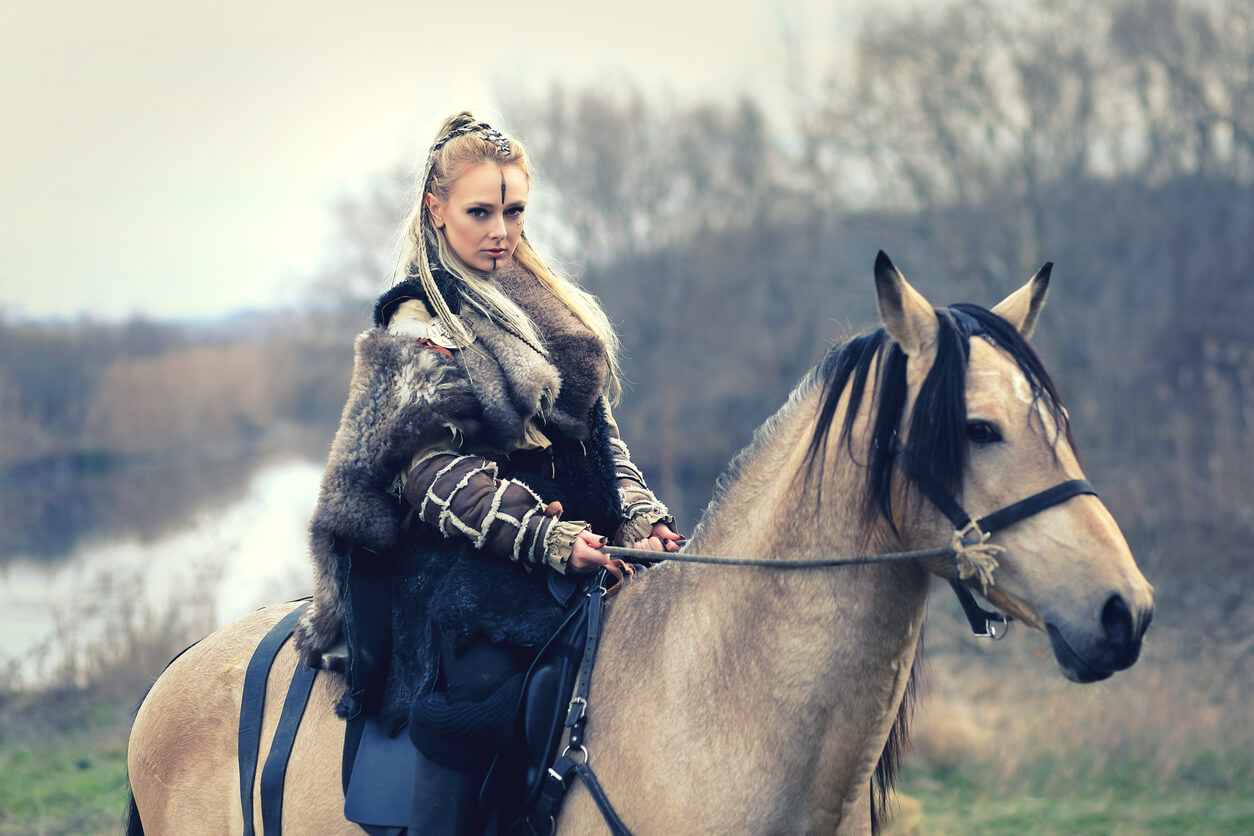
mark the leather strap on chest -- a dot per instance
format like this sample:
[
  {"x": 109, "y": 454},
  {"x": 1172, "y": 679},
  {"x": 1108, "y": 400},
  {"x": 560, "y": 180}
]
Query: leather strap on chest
[{"x": 574, "y": 760}]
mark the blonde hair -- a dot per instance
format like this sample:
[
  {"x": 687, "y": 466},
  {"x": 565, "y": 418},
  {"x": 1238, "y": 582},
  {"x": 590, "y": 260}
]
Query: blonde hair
[{"x": 464, "y": 141}]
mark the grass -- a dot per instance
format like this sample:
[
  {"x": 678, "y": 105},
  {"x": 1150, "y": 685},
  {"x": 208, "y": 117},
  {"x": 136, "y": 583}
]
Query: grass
[
  {"x": 63, "y": 764},
  {"x": 74, "y": 782},
  {"x": 1003, "y": 746},
  {"x": 1080, "y": 815},
  {"x": 67, "y": 788},
  {"x": 1119, "y": 803}
]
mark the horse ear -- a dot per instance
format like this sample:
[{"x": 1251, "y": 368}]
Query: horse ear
[
  {"x": 1022, "y": 307},
  {"x": 907, "y": 316}
]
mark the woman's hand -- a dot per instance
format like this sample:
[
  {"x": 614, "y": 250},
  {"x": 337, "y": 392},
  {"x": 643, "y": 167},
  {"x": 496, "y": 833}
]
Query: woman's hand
[
  {"x": 661, "y": 539},
  {"x": 586, "y": 556}
]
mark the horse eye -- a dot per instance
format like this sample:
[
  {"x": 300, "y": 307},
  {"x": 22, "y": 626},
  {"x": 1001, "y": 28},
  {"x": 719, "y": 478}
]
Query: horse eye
[{"x": 983, "y": 432}]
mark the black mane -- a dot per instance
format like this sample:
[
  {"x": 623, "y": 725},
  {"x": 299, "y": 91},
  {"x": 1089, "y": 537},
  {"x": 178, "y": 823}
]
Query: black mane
[
  {"x": 937, "y": 446},
  {"x": 936, "y": 449}
]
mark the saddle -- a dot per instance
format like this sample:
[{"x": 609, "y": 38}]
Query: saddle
[{"x": 377, "y": 769}]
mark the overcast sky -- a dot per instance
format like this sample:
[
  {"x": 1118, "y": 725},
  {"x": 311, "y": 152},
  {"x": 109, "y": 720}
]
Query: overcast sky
[{"x": 178, "y": 159}]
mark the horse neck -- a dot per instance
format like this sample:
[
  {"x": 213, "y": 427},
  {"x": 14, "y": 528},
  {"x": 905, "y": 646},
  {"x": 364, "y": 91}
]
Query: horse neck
[
  {"x": 793, "y": 676},
  {"x": 767, "y": 504}
]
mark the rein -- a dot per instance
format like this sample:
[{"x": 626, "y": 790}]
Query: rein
[
  {"x": 974, "y": 555},
  {"x": 650, "y": 556}
]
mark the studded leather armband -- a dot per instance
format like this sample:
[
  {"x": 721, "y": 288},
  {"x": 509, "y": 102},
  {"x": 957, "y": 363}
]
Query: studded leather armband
[{"x": 641, "y": 509}]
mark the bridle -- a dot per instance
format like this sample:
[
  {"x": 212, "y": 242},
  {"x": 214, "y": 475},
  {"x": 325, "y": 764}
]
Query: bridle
[
  {"x": 971, "y": 533},
  {"x": 969, "y": 545}
]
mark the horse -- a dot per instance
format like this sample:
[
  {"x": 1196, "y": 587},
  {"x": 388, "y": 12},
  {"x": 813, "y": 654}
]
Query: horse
[{"x": 757, "y": 699}]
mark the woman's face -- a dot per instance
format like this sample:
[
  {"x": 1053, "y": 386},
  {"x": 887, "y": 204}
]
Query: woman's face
[{"x": 483, "y": 216}]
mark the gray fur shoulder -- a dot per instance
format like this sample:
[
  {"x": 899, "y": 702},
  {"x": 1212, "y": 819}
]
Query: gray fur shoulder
[{"x": 404, "y": 396}]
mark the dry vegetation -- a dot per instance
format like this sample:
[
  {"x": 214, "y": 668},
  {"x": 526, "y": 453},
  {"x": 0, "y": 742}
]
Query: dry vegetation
[
  {"x": 210, "y": 393},
  {"x": 1003, "y": 713},
  {"x": 90, "y": 396},
  {"x": 1004, "y": 745}
]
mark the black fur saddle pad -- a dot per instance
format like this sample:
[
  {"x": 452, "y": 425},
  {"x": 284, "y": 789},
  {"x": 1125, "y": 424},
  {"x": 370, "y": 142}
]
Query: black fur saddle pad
[{"x": 379, "y": 768}]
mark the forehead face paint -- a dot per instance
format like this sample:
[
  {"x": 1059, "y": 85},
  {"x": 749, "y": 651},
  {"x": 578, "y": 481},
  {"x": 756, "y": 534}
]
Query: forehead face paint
[{"x": 502, "y": 204}]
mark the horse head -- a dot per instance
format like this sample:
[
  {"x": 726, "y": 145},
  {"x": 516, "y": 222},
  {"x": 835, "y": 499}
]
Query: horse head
[{"x": 980, "y": 422}]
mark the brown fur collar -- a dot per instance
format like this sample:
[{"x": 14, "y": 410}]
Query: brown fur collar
[{"x": 576, "y": 352}]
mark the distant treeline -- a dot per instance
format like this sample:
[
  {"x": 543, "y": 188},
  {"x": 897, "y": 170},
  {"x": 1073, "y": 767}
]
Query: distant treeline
[
  {"x": 972, "y": 142},
  {"x": 86, "y": 396}
]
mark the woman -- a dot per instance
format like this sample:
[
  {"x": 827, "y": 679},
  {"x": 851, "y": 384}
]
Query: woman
[{"x": 475, "y": 463}]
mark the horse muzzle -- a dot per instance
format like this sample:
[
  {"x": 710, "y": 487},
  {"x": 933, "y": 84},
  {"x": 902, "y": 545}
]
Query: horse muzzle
[{"x": 1115, "y": 644}]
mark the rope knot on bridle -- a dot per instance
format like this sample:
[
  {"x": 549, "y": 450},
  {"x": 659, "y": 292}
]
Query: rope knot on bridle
[{"x": 974, "y": 555}]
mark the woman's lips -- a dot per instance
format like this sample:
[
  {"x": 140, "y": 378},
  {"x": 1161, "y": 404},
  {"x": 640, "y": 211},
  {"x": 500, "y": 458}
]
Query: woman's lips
[{"x": 495, "y": 253}]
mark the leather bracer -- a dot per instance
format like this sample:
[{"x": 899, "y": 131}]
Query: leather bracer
[
  {"x": 462, "y": 496},
  {"x": 641, "y": 509}
]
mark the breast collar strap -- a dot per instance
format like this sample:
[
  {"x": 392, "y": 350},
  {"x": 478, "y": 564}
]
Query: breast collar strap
[
  {"x": 541, "y": 820},
  {"x": 983, "y": 621}
]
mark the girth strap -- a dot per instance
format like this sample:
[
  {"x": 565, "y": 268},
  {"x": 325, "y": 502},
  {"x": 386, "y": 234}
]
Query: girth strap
[
  {"x": 251, "y": 707},
  {"x": 574, "y": 760},
  {"x": 274, "y": 773},
  {"x": 617, "y": 828},
  {"x": 576, "y": 714}
]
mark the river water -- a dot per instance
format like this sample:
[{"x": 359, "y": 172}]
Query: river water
[{"x": 209, "y": 565}]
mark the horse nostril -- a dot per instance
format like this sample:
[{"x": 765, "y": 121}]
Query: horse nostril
[{"x": 1117, "y": 622}]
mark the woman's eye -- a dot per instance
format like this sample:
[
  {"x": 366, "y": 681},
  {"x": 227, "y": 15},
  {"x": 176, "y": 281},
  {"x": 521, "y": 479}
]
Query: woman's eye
[
  {"x": 477, "y": 212},
  {"x": 515, "y": 211},
  {"x": 983, "y": 432}
]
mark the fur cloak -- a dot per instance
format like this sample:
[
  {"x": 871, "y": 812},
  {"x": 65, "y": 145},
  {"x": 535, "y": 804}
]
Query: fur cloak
[{"x": 403, "y": 397}]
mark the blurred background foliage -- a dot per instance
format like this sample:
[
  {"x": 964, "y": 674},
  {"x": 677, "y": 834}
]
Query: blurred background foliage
[{"x": 972, "y": 141}]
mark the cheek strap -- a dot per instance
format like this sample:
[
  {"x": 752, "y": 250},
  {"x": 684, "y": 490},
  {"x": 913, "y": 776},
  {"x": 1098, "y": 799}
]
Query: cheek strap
[
  {"x": 975, "y": 556},
  {"x": 1034, "y": 504}
]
